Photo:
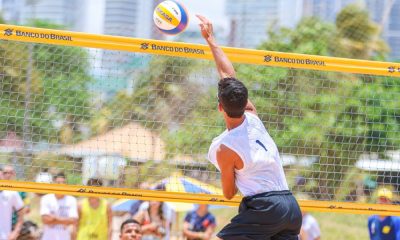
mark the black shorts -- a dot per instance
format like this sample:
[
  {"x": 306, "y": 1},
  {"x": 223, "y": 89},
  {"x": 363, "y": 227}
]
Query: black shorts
[{"x": 269, "y": 215}]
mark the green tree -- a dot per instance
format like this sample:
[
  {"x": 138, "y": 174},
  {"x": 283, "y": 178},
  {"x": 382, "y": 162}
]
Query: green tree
[
  {"x": 357, "y": 35},
  {"x": 336, "y": 116},
  {"x": 163, "y": 93},
  {"x": 311, "y": 36},
  {"x": 41, "y": 85}
]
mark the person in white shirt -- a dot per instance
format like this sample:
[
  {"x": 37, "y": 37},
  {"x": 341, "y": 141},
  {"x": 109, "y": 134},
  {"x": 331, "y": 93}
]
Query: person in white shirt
[
  {"x": 59, "y": 214},
  {"x": 249, "y": 161},
  {"x": 10, "y": 201},
  {"x": 309, "y": 228}
]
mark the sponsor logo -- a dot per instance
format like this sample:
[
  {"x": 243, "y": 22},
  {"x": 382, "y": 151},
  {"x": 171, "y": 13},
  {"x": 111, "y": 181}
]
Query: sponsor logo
[
  {"x": 52, "y": 36},
  {"x": 8, "y": 32},
  {"x": 304, "y": 61},
  {"x": 392, "y": 69},
  {"x": 101, "y": 192},
  {"x": 162, "y": 48},
  {"x": 144, "y": 46},
  {"x": 267, "y": 58}
]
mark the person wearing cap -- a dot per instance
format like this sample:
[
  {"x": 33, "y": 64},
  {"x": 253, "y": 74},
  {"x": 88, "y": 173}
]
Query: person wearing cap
[{"x": 384, "y": 227}]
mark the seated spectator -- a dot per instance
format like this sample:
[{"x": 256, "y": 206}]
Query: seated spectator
[
  {"x": 309, "y": 228},
  {"x": 384, "y": 227},
  {"x": 153, "y": 221},
  {"x": 29, "y": 231},
  {"x": 199, "y": 224},
  {"x": 130, "y": 230},
  {"x": 135, "y": 206}
]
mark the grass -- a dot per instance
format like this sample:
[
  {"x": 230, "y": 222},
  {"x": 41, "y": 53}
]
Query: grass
[
  {"x": 333, "y": 225},
  {"x": 342, "y": 226}
]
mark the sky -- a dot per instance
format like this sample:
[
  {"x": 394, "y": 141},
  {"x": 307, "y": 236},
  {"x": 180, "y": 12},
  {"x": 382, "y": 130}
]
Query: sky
[{"x": 212, "y": 9}]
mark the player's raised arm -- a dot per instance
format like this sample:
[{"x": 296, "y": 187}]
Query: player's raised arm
[{"x": 224, "y": 65}]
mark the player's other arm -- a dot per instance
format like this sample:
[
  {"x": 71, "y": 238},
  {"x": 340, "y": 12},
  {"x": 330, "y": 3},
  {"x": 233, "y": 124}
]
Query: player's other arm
[{"x": 228, "y": 161}]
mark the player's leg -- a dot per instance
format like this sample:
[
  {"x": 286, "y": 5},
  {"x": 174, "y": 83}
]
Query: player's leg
[
  {"x": 254, "y": 221},
  {"x": 263, "y": 216},
  {"x": 291, "y": 229}
]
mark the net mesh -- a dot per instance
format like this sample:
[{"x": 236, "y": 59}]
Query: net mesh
[{"x": 137, "y": 120}]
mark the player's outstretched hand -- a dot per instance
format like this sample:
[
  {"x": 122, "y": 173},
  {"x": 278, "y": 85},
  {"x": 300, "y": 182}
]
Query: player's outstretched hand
[{"x": 206, "y": 28}]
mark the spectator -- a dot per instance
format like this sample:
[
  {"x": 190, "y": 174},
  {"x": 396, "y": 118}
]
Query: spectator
[
  {"x": 135, "y": 206},
  {"x": 10, "y": 201},
  {"x": 95, "y": 216},
  {"x": 153, "y": 221},
  {"x": 199, "y": 224},
  {"x": 59, "y": 214},
  {"x": 29, "y": 231},
  {"x": 9, "y": 174},
  {"x": 44, "y": 176},
  {"x": 309, "y": 228},
  {"x": 384, "y": 227},
  {"x": 130, "y": 230}
]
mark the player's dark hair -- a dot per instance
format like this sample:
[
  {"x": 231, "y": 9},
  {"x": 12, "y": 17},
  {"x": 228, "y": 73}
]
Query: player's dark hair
[{"x": 232, "y": 94}]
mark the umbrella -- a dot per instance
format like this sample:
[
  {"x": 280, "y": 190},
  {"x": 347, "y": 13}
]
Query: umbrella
[
  {"x": 175, "y": 183},
  {"x": 179, "y": 183}
]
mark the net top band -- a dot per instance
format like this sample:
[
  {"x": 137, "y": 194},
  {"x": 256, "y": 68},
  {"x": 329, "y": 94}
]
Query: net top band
[{"x": 198, "y": 51}]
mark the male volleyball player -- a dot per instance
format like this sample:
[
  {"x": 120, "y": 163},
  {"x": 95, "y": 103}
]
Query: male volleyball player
[{"x": 248, "y": 160}]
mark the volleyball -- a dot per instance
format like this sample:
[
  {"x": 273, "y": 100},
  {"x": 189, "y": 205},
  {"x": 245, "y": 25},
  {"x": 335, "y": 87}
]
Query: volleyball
[{"x": 170, "y": 17}]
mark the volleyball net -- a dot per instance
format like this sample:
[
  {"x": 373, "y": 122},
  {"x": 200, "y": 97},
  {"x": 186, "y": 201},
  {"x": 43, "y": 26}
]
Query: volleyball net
[{"x": 140, "y": 113}]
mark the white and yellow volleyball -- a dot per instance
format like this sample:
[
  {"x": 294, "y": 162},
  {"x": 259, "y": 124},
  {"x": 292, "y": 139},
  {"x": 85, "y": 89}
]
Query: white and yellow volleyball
[{"x": 170, "y": 17}]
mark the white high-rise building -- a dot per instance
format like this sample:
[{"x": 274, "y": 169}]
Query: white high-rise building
[
  {"x": 11, "y": 10},
  {"x": 325, "y": 10},
  {"x": 387, "y": 14},
  {"x": 62, "y": 12},
  {"x": 250, "y": 19},
  {"x": 132, "y": 18},
  {"x": 392, "y": 32}
]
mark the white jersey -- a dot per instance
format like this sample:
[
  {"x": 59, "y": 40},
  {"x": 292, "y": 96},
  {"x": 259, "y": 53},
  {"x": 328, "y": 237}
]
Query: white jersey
[
  {"x": 65, "y": 207},
  {"x": 262, "y": 170},
  {"x": 9, "y": 201}
]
